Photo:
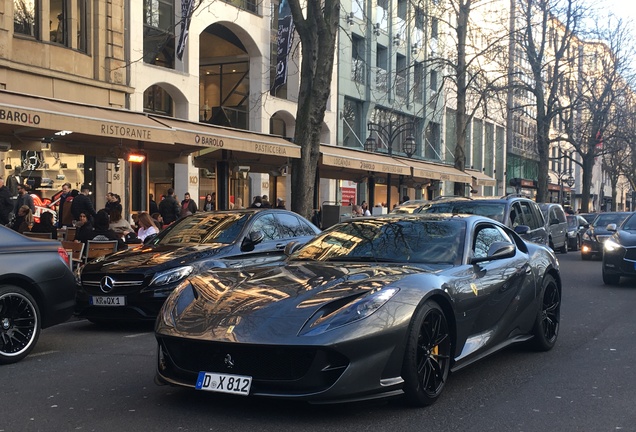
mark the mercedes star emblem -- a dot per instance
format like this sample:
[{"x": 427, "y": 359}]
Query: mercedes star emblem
[{"x": 107, "y": 284}]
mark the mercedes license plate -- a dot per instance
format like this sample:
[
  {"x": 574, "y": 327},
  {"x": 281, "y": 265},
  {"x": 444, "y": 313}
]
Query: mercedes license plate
[
  {"x": 108, "y": 300},
  {"x": 224, "y": 383}
]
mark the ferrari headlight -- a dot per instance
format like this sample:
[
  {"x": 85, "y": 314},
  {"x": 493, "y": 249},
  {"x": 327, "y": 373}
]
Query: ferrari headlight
[
  {"x": 611, "y": 245},
  {"x": 182, "y": 297},
  {"x": 171, "y": 276},
  {"x": 359, "y": 308}
]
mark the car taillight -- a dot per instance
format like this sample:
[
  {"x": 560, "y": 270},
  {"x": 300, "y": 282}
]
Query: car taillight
[{"x": 63, "y": 254}]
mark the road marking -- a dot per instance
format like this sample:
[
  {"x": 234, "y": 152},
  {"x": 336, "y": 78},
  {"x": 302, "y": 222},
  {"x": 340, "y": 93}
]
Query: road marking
[
  {"x": 43, "y": 353},
  {"x": 136, "y": 335}
]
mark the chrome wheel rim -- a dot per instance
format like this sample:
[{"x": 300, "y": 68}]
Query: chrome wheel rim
[{"x": 18, "y": 324}]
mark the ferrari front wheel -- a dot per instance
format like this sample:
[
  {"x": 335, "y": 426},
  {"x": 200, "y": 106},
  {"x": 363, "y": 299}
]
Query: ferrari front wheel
[
  {"x": 546, "y": 326},
  {"x": 427, "y": 357}
]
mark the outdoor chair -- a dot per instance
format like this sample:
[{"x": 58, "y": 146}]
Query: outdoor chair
[
  {"x": 76, "y": 252},
  {"x": 48, "y": 236},
  {"x": 95, "y": 249}
]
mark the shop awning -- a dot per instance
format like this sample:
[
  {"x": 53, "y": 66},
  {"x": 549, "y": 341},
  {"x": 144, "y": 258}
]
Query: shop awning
[
  {"x": 482, "y": 179},
  {"x": 24, "y": 117},
  {"x": 210, "y": 138},
  {"x": 341, "y": 160},
  {"x": 426, "y": 170}
]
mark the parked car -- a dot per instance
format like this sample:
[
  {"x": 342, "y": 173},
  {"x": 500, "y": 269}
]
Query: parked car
[
  {"x": 597, "y": 233},
  {"x": 37, "y": 290},
  {"x": 589, "y": 217},
  {"x": 577, "y": 225},
  {"x": 371, "y": 307},
  {"x": 132, "y": 285},
  {"x": 556, "y": 225},
  {"x": 516, "y": 212},
  {"x": 619, "y": 256},
  {"x": 411, "y": 206}
]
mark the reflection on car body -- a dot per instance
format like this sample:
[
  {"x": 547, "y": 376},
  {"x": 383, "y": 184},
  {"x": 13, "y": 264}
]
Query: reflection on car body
[
  {"x": 142, "y": 278},
  {"x": 619, "y": 251},
  {"x": 371, "y": 307}
]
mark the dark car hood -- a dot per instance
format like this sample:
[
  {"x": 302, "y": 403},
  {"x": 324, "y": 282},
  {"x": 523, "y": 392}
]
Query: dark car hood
[
  {"x": 154, "y": 257},
  {"x": 599, "y": 231},
  {"x": 627, "y": 238},
  {"x": 237, "y": 305}
]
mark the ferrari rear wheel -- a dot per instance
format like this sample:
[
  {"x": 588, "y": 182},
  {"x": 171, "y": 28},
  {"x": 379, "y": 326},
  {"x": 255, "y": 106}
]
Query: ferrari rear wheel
[
  {"x": 427, "y": 356},
  {"x": 546, "y": 327},
  {"x": 19, "y": 323}
]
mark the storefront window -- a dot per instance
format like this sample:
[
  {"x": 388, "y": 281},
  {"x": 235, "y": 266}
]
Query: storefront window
[
  {"x": 159, "y": 29},
  {"x": 24, "y": 17}
]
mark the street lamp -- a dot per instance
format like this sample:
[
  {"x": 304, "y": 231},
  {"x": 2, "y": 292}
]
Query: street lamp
[
  {"x": 567, "y": 178},
  {"x": 389, "y": 133}
]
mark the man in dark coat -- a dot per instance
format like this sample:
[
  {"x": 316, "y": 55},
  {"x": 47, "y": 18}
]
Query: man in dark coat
[
  {"x": 6, "y": 205},
  {"x": 83, "y": 204},
  {"x": 188, "y": 206},
  {"x": 169, "y": 208},
  {"x": 152, "y": 206},
  {"x": 24, "y": 198}
]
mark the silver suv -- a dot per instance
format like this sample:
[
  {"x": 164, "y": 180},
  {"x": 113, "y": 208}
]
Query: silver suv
[
  {"x": 519, "y": 213},
  {"x": 556, "y": 224}
]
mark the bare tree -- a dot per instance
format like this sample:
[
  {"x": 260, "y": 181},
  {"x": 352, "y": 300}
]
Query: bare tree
[
  {"x": 317, "y": 29},
  {"x": 601, "y": 103},
  {"x": 545, "y": 33}
]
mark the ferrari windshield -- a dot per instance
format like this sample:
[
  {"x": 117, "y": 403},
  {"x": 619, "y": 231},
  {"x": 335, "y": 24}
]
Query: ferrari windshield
[
  {"x": 212, "y": 228},
  {"x": 389, "y": 240}
]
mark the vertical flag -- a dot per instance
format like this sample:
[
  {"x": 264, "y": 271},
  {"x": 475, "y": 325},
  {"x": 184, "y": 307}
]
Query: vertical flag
[
  {"x": 284, "y": 41},
  {"x": 187, "y": 8}
]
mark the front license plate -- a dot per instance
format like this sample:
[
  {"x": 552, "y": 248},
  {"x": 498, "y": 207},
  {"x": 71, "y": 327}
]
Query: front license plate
[
  {"x": 224, "y": 383},
  {"x": 108, "y": 300}
]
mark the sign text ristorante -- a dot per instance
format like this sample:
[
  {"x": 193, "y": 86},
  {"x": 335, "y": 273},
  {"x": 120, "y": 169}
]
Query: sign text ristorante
[{"x": 126, "y": 132}]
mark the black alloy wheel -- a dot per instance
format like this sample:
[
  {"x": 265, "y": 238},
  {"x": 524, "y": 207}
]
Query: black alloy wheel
[
  {"x": 427, "y": 357},
  {"x": 19, "y": 324},
  {"x": 546, "y": 327}
]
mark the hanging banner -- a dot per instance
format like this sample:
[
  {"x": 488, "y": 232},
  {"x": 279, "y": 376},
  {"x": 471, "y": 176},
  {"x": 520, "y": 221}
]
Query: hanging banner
[
  {"x": 285, "y": 36},
  {"x": 187, "y": 8}
]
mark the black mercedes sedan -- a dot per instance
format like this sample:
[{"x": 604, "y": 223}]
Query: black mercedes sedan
[
  {"x": 37, "y": 290},
  {"x": 597, "y": 233},
  {"x": 372, "y": 307},
  {"x": 619, "y": 257},
  {"x": 132, "y": 285}
]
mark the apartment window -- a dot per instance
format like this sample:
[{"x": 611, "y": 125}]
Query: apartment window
[
  {"x": 418, "y": 81},
  {"x": 357, "y": 59},
  {"x": 434, "y": 28},
  {"x": 352, "y": 135},
  {"x": 24, "y": 17},
  {"x": 82, "y": 25},
  {"x": 157, "y": 101},
  {"x": 434, "y": 80},
  {"x": 159, "y": 40},
  {"x": 58, "y": 19}
]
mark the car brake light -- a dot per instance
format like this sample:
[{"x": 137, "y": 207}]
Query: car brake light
[{"x": 63, "y": 254}]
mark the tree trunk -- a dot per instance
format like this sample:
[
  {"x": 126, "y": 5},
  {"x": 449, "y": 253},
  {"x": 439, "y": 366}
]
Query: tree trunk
[{"x": 461, "y": 117}]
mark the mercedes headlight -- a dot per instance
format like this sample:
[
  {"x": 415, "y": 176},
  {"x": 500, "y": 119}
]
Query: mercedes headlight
[
  {"x": 611, "y": 245},
  {"x": 337, "y": 314},
  {"x": 169, "y": 277}
]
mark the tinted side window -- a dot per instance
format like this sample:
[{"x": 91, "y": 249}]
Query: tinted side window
[
  {"x": 485, "y": 237},
  {"x": 560, "y": 215},
  {"x": 266, "y": 224},
  {"x": 529, "y": 217},
  {"x": 516, "y": 215},
  {"x": 289, "y": 226}
]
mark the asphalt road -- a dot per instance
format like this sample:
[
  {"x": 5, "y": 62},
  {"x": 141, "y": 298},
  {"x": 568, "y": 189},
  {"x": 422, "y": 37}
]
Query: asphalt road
[{"x": 83, "y": 378}]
